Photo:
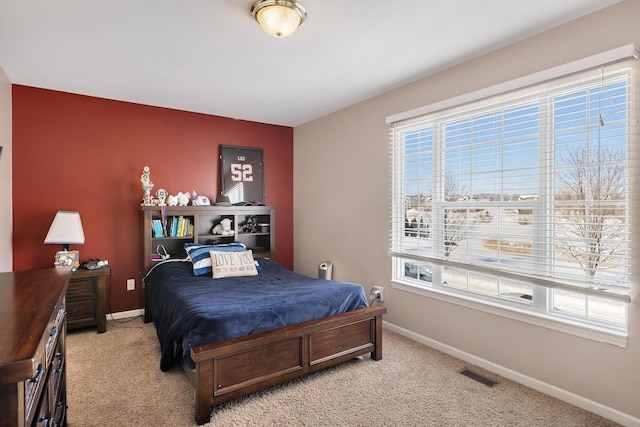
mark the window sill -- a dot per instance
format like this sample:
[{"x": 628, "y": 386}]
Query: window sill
[{"x": 554, "y": 323}]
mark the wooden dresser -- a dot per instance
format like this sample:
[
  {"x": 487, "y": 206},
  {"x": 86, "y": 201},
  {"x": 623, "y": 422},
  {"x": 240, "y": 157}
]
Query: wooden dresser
[{"x": 32, "y": 347}]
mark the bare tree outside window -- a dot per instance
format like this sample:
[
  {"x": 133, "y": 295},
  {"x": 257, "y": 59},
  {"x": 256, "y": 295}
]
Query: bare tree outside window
[
  {"x": 455, "y": 221},
  {"x": 590, "y": 208},
  {"x": 455, "y": 227}
]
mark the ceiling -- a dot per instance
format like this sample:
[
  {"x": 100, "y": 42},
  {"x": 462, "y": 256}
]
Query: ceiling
[{"x": 210, "y": 56}]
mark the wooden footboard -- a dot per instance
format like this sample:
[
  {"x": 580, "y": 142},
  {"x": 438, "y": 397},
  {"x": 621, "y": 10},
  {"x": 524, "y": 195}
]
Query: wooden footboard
[{"x": 244, "y": 365}]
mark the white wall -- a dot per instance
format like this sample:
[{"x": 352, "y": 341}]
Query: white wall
[
  {"x": 341, "y": 213},
  {"x": 6, "y": 222}
]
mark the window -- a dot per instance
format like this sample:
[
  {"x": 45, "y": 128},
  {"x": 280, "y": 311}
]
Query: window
[{"x": 520, "y": 200}]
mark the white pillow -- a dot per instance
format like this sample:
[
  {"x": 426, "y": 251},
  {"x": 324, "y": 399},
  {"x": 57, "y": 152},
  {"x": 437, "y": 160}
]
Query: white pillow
[{"x": 232, "y": 264}]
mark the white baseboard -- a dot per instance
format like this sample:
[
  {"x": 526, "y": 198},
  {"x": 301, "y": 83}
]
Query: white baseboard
[
  {"x": 125, "y": 314},
  {"x": 567, "y": 396}
]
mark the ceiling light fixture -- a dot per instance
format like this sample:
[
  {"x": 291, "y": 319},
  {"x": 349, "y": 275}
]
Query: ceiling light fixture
[{"x": 279, "y": 18}]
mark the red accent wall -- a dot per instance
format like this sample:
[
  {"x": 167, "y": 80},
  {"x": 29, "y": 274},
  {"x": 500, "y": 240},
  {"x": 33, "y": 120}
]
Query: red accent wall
[{"x": 73, "y": 152}]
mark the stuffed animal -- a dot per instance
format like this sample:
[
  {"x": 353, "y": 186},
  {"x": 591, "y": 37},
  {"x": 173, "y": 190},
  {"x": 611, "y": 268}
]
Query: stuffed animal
[{"x": 224, "y": 228}]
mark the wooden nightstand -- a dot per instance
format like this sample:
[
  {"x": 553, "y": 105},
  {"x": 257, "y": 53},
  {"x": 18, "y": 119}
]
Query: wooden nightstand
[{"x": 87, "y": 298}]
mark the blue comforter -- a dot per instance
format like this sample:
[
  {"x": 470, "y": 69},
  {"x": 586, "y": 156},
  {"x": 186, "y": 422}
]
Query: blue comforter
[{"x": 193, "y": 310}]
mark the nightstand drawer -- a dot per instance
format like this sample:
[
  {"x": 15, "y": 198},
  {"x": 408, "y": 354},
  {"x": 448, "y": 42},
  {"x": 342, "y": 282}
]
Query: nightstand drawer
[
  {"x": 87, "y": 298},
  {"x": 81, "y": 311},
  {"x": 81, "y": 288}
]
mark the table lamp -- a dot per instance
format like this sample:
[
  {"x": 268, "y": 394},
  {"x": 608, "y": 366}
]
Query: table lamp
[{"x": 65, "y": 229}]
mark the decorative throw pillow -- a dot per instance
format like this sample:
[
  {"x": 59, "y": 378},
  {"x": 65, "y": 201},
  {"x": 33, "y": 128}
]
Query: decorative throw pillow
[
  {"x": 232, "y": 264},
  {"x": 199, "y": 255}
]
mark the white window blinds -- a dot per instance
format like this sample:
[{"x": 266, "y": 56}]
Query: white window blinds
[{"x": 531, "y": 184}]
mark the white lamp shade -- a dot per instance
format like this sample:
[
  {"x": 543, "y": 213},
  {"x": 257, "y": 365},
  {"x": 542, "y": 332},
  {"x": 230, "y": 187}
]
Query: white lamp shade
[{"x": 65, "y": 229}]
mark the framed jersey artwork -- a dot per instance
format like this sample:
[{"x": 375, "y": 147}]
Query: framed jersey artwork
[{"x": 242, "y": 170}]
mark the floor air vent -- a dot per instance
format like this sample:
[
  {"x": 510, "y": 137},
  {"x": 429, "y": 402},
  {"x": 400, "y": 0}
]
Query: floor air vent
[{"x": 478, "y": 377}]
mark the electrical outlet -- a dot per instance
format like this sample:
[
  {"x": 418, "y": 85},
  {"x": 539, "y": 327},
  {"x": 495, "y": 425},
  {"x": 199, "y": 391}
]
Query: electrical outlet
[
  {"x": 131, "y": 284},
  {"x": 380, "y": 291}
]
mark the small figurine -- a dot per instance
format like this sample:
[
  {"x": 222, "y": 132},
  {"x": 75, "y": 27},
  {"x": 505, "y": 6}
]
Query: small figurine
[
  {"x": 183, "y": 198},
  {"x": 172, "y": 200},
  {"x": 162, "y": 196},
  {"x": 224, "y": 228}
]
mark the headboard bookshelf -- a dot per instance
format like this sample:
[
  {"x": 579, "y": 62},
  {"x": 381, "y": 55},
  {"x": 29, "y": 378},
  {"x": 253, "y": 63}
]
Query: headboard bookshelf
[{"x": 195, "y": 224}]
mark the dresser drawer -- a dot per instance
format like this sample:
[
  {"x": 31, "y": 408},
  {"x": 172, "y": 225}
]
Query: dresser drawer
[
  {"x": 57, "y": 369},
  {"x": 81, "y": 288},
  {"x": 33, "y": 389},
  {"x": 42, "y": 414},
  {"x": 57, "y": 404},
  {"x": 81, "y": 311}
]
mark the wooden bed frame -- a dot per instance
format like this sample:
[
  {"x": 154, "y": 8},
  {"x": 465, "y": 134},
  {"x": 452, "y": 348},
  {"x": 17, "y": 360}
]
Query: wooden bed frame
[{"x": 236, "y": 367}]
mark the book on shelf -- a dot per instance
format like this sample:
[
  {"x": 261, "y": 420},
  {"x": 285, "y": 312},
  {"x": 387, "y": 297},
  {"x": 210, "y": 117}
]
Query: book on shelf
[
  {"x": 157, "y": 228},
  {"x": 178, "y": 226},
  {"x": 174, "y": 226}
]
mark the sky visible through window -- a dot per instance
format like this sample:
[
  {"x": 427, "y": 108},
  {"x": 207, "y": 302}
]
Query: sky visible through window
[{"x": 497, "y": 154}]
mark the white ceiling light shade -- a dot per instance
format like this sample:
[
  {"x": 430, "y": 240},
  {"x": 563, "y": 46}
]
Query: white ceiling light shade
[{"x": 279, "y": 18}]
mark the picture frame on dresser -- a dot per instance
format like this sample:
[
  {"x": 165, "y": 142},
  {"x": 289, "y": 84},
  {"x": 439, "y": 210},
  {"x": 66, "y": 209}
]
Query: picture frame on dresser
[{"x": 67, "y": 259}]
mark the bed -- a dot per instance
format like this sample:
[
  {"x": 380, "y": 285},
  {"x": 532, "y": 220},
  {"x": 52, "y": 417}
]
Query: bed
[{"x": 237, "y": 335}]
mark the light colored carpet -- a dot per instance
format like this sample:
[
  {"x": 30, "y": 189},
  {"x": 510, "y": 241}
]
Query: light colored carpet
[{"x": 114, "y": 379}]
